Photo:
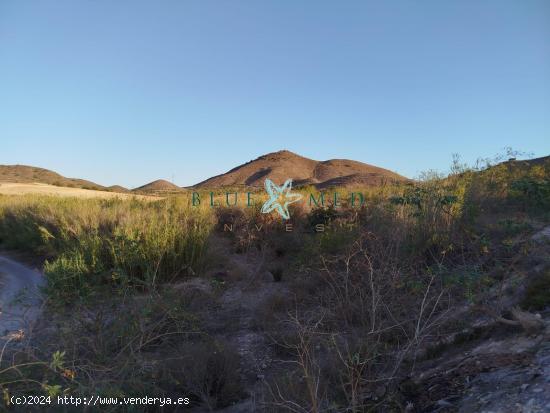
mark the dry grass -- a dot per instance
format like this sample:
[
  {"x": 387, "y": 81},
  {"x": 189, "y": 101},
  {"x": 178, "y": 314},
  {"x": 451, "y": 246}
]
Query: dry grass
[
  {"x": 354, "y": 309},
  {"x": 13, "y": 188},
  {"x": 92, "y": 243}
]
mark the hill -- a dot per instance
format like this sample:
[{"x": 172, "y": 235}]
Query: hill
[
  {"x": 32, "y": 174},
  {"x": 281, "y": 165},
  {"x": 160, "y": 185},
  {"x": 526, "y": 163},
  {"x": 118, "y": 188}
]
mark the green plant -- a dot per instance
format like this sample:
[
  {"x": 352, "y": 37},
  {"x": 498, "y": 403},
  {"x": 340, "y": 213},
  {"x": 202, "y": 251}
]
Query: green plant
[
  {"x": 93, "y": 242},
  {"x": 531, "y": 190}
]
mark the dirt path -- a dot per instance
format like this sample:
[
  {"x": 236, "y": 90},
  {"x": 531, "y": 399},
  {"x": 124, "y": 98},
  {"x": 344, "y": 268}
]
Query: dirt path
[
  {"x": 20, "y": 298},
  {"x": 234, "y": 320},
  {"x": 238, "y": 306}
]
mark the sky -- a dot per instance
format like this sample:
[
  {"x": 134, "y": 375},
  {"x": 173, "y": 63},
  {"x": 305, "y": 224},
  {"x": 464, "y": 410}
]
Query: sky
[{"x": 128, "y": 91}]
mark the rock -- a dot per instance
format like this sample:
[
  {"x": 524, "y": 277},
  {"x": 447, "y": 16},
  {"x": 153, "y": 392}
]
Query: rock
[
  {"x": 267, "y": 277},
  {"x": 444, "y": 403},
  {"x": 530, "y": 322},
  {"x": 524, "y": 386},
  {"x": 542, "y": 236}
]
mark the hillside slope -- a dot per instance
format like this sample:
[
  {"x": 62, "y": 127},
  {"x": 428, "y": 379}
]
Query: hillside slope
[
  {"x": 118, "y": 188},
  {"x": 32, "y": 174},
  {"x": 281, "y": 165},
  {"x": 160, "y": 185}
]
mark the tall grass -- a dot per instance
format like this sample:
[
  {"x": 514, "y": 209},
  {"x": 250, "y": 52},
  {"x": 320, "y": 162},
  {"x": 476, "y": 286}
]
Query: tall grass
[
  {"x": 93, "y": 242},
  {"x": 141, "y": 243}
]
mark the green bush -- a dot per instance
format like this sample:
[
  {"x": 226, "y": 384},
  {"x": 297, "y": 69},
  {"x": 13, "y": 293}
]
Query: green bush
[
  {"x": 531, "y": 191},
  {"x": 89, "y": 242}
]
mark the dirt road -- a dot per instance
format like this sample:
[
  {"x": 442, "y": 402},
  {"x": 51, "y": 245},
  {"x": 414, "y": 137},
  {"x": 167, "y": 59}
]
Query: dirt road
[{"x": 20, "y": 298}]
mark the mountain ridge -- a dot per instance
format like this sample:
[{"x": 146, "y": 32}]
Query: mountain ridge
[
  {"x": 277, "y": 166},
  {"x": 282, "y": 165}
]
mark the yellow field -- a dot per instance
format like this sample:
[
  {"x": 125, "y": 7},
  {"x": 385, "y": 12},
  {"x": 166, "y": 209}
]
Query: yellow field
[{"x": 12, "y": 188}]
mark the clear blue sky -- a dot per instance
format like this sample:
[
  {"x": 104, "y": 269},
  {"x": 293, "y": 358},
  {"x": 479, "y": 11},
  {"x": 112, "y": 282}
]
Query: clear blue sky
[{"x": 130, "y": 91}]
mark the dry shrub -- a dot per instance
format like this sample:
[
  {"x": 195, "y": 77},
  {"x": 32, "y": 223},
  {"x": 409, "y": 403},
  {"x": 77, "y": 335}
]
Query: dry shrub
[
  {"x": 206, "y": 370},
  {"x": 350, "y": 340},
  {"x": 270, "y": 313},
  {"x": 148, "y": 345}
]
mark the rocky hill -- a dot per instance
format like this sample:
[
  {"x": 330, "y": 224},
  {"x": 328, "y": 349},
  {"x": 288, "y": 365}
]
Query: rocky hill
[{"x": 281, "y": 165}]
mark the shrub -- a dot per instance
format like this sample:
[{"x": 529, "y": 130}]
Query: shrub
[
  {"x": 532, "y": 191},
  {"x": 322, "y": 215},
  {"x": 207, "y": 371},
  {"x": 90, "y": 242}
]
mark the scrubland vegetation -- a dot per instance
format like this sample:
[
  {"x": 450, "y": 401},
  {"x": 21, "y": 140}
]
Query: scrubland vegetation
[
  {"x": 92, "y": 243},
  {"x": 135, "y": 289}
]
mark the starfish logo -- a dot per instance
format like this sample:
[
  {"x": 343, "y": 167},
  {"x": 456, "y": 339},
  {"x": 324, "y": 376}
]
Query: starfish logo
[{"x": 280, "y": 197}]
